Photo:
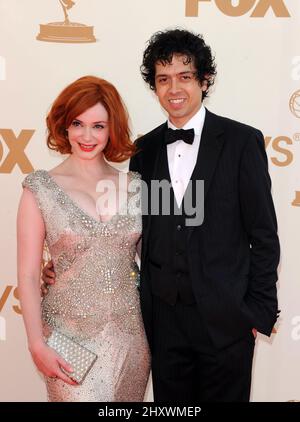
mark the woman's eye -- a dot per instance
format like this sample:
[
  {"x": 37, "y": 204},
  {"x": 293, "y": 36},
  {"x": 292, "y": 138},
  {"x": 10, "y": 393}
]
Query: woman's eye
[
  {"x": 75, "y": 123},
  {"x": 98, "y": 126}
]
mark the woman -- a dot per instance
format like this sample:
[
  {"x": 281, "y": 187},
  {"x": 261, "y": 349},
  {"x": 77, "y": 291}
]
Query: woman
[{"x": 94, "y": 301}]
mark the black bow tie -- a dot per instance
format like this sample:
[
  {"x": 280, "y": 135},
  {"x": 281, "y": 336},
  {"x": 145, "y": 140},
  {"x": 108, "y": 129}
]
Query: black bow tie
[{"x": 186, "y": 135}]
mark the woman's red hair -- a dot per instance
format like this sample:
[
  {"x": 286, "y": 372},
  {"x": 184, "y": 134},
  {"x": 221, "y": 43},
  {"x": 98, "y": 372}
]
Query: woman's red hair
[{"x": 77, "y": 98}]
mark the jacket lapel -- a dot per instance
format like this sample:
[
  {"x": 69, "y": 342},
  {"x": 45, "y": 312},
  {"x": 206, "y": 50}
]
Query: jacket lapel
[
  {"x": 211, "y": 145},
  {"x": 209, "y": 151}
]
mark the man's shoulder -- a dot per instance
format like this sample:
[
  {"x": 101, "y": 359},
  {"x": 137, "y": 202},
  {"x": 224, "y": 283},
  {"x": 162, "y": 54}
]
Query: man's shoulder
[
  {"x": 230, "y": 125},
  {"x": 147, "y": 139}
]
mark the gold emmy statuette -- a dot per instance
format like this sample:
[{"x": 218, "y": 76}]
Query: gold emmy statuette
[
  {"x": 296, "y": 201},
  {"x": 66, "y": 32}
]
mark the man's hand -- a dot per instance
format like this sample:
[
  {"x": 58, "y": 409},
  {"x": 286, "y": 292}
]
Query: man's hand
[{"x": 48, "y": 277}]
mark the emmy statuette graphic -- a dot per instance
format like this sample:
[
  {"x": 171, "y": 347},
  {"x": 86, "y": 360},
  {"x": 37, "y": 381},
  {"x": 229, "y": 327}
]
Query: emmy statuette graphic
[{"x": 66, "y": 31}]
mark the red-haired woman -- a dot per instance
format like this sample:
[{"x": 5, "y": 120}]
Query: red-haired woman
[{"x": 94, "y": 302}]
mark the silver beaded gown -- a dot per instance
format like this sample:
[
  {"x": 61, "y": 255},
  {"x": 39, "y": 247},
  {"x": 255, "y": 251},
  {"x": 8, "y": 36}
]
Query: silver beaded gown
[{"x": 95, "y": 299}]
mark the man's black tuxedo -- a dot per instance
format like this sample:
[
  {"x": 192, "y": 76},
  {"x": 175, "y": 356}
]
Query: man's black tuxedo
[{"x": 233, "y": 256}]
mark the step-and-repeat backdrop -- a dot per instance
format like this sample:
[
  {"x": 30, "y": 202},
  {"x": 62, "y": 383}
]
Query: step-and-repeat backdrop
[{"x": 45, "y": 45}]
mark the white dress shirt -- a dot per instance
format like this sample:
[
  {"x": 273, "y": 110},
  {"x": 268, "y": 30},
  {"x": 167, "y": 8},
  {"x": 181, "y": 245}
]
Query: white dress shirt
[{"x": 182, "y": 157}]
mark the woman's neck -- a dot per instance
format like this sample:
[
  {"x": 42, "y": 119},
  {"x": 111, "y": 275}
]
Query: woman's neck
[{"x": 88, "y": 169}]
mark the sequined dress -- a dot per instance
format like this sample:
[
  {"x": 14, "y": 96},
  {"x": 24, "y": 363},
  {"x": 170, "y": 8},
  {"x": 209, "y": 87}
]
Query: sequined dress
[{"x": 95, "y": 299}]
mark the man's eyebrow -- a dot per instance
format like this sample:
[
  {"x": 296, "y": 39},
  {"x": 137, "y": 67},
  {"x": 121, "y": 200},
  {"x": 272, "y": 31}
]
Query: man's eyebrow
[
  {"x": 187, "y": 72},
  {"x": 180, "y": 73},
  {"x": 161, "y": 74}
]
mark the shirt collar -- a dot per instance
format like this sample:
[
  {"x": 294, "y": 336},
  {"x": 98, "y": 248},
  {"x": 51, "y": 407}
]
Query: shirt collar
[{"x": 196, "y": 122}]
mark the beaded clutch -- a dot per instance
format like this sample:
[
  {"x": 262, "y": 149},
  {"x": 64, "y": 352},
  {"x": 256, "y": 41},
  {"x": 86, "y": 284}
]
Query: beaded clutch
[{"x": 78, "y": 357}]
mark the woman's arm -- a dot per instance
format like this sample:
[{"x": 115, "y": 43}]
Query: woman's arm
[{"x": 30, "y": 238}]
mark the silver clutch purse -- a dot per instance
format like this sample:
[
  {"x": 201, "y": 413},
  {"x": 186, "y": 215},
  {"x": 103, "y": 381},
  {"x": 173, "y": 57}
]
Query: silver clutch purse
[{"x": 78, "y": 357}]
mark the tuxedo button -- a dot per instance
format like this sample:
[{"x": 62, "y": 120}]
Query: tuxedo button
[{"x": 179, "y": 227}]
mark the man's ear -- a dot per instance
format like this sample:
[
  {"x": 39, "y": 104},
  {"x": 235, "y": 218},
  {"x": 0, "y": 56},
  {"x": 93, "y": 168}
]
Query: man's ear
[{"x": 204, "y": 86}]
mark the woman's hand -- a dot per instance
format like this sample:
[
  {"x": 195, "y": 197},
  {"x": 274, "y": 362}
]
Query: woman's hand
[{"x": 50, "y": 363}]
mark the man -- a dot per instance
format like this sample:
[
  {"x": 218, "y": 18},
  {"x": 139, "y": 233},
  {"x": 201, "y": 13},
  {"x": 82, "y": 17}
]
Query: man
[{"x": 205, "y": 289}]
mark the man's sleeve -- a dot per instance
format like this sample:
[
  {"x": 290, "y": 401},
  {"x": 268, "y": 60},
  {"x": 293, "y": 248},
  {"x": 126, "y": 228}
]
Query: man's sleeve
[{"x": 260, "y": 223}]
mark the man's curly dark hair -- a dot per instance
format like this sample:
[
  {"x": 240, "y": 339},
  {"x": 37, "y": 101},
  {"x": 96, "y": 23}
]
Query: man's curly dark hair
[{"x": 164, "y": 44}]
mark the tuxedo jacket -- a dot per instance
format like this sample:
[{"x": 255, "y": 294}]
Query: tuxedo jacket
[{"x": 233, "y": 255}]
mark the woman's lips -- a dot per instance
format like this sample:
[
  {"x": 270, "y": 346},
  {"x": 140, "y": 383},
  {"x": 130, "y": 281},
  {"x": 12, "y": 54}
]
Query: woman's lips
[{"x": 87, "y": 148}]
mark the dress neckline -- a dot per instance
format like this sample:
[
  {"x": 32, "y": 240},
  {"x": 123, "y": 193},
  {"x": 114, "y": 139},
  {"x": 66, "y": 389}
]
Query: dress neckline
[{"x": 80, "y": 209}]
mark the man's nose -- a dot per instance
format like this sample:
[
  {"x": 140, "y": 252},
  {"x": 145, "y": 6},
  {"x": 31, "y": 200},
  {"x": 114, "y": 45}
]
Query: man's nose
[{"x": 174, "y": 86}]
